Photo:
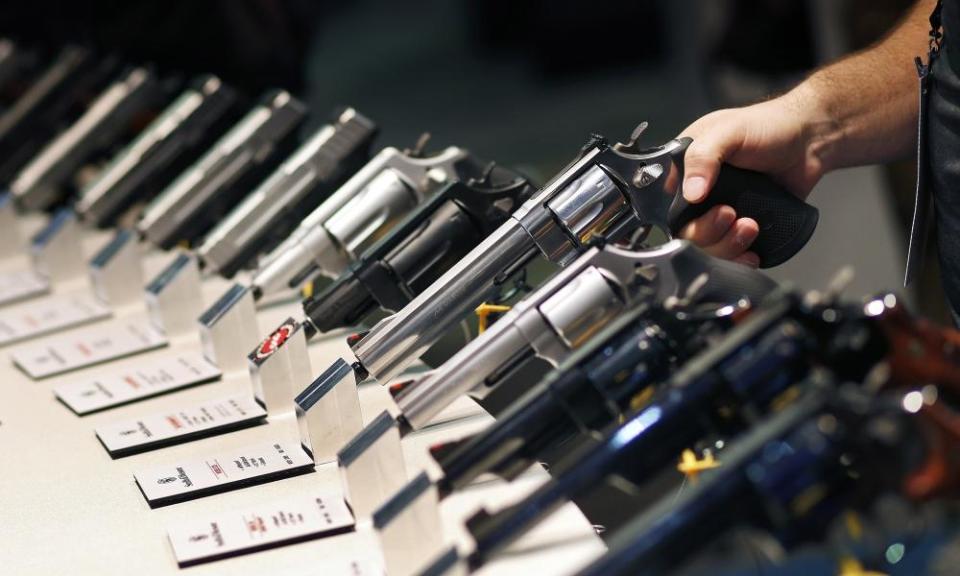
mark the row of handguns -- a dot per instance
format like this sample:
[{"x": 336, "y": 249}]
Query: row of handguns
[{"x": 656, "y": 346}]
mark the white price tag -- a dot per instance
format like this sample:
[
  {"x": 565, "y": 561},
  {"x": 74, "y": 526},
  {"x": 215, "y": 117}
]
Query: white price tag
[
  {"x": 144, "y": 380},
  {"x": 267, "y": 526},
  {"x": 83, "y": 348},
  {"x": 237, "y": 468},
  {"x": 20, "y": 285},
  {"x": 36, "y": 318},
  {"x": 180, "y": 425}
]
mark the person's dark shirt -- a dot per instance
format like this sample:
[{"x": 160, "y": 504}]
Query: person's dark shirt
[{"x": 944, "y": 152}]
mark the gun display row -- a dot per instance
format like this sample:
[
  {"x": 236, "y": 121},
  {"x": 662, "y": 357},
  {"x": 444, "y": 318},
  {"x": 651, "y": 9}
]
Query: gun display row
[{"x": 654, "y": 346}]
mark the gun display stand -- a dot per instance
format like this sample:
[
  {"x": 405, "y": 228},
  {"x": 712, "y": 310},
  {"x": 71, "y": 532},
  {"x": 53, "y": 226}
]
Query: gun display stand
[
  {"x": 114, "y": 273},
  {"x": 372, "y": 467},
  {"x": 328, "y": 412},
  {"x": 172, "y": 297},
  {"x": 279, "y": 365},
  {"x": 55, "y": 253},
  {"x": 409, "y": 527},
  {"x": 10, "y": 239},
  {"x": 228, "y": 331}
]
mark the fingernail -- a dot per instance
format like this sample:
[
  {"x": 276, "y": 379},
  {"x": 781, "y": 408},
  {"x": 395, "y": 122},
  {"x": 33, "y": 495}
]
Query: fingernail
[
  {"x": 745, "y": 236},
  {"x": 751, "y": 259},
  {"x": 694, "y": 188}
]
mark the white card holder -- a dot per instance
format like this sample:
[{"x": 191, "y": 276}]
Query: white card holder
[
  {"x": 10, "y": 239},
  {"x": 328, "y": 412},
  {"x": 116, "y": 271},
  {"x": 174, "y": 297},
  {"x": 279, "y": 367},
  {"x": 409, "y": 527},
  {"x": 57, "y": 249},
  {"x": 372, "y": 467},
  {"x": 229, "y": 329}
]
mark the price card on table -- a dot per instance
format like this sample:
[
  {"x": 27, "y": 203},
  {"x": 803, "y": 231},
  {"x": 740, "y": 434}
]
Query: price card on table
[
  {"x": 179, "y": 481},
  {"x": 243, "y": 531},
  {"x": 40, "y": 317},
  {"x": 115, "y": 387},
  {"x": 21, "y": 284},
  {"x": 179, "y": 425},
  {"x": 82, "y": 348}
]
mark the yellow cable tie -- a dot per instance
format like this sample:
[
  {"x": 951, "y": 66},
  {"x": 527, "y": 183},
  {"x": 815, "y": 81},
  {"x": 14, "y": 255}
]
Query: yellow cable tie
[
  {"x": 691, "y": 466},
  {"x": 307, "y": 290},
  {"x": 484, "y": 311}
]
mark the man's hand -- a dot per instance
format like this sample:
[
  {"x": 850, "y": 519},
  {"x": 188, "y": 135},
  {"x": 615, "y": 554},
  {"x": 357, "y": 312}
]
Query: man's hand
[
  {"x": 861, "y": 110},
  {"x": 769, "y": 137}
]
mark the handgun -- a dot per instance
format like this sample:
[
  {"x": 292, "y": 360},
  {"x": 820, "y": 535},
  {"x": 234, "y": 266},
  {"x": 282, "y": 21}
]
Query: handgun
[
  {"x": 270, "y": 213},
  {"x": 767, "y": 354},
  {"x": 431, "y": 240},
  {"x": 606, "y": 186},
  {"x": 57, "y": 97},
  {"x": 569, "y": 309},
  {"x": 784, "y": 347},
  {"x": 590, "y": 391},
  {"x": 160, "y": 152},
  {"x": 46, "y": 179},
  {"x": 790, "y": 477},
  {"x": 357, "y": 215},
  {"x": 240, "y": 159}
]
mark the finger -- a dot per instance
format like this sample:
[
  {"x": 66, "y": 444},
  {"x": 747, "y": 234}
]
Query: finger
[
  {"x": 709, "y": 228},
  {"x": 737, "y": 239},
  {"x": 711, "y": 146},
  {"x": 748, "y": 259}
]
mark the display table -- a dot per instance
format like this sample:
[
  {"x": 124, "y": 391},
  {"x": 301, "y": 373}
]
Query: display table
[{"x": 69, "y": 508}]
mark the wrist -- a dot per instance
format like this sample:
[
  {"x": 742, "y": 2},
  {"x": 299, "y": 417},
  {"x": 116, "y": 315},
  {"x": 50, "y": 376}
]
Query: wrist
[{"x": 819, "y": 129}]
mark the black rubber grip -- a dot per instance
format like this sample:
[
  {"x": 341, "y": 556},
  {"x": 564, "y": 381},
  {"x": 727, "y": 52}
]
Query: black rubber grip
[
  {"x": 727, "y": 282},
  {"x": 786, "y": 222}
]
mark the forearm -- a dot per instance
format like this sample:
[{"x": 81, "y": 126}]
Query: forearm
[{"x": 863, "y": 109}]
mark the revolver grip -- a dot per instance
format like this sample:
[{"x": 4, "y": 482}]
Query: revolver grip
[
  {"x": 786, "y": 222},
  {"x": 727, "y": 282}
]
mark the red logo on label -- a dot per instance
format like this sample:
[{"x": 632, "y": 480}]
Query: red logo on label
[{"x": 275, "y": 340}]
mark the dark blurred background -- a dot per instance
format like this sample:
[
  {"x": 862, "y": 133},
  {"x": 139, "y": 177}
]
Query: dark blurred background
[{"x": 524, "y": 82}]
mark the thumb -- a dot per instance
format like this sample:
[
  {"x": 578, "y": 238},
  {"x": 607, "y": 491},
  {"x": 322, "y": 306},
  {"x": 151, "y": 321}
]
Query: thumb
[{"x": 702, "y": 162}]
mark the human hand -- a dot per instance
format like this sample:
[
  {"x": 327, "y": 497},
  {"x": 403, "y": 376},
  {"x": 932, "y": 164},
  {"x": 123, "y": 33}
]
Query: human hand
[{"x": 770, "y": 137}]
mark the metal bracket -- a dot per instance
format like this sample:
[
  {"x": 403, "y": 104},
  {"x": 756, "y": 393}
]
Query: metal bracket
[
  {"x": 328, "y": 412},
  {"x": 174, "y": 296},
  {"x": 409, "y": 527},
  {"x": 279, "y": 366},
  {"x": 116, "y": 272},
  {"x": 372, "y": 466},
  {"x": 57, "y": 249},
  {"x": 229, "y": 329}
]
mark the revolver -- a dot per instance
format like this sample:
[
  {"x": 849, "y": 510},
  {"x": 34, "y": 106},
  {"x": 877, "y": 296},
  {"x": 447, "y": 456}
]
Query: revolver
[
  {"x": 359, "y": 213},
  {"x": 431, "y": 240},
  {"x": 45, "y": 180},
  {"x": 569, "y": 309},
  {"x": 55, "y": 98},
  {"x": 604, "y": 188},
  {"x": 163, "y": 149},
  {"x": 239, "y": 160},
  {"x": 299, "y": 185},
  {"x": 588, "y": 392}
]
